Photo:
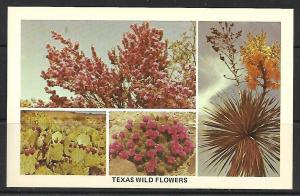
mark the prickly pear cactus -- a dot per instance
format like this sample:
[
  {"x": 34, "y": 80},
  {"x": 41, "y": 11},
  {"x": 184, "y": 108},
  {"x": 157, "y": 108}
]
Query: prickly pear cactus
[{"x": 64, "y": 143}]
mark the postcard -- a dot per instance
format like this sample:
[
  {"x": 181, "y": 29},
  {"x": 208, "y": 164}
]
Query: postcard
[{"x": 187, "y": 98}]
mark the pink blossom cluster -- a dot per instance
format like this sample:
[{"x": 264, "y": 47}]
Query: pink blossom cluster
[
  {"x": 155, "y": 144},
  {"x": 138, "y": 76}
]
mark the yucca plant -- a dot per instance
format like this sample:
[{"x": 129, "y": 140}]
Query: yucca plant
[{"x": 242, "y": 135}]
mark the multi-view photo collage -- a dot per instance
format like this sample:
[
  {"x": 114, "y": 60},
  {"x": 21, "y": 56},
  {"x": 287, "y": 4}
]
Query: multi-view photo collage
[{"x": 145, "y": 98}]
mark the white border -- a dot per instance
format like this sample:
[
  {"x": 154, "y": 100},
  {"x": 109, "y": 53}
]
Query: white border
[
  {"x": 197, "y": 101},
  {"x": 16, "y": 14},
  {"x": 107, "y": 144}
]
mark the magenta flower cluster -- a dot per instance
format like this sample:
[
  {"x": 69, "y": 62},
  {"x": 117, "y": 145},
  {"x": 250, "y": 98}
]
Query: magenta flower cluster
[{"x": 156, "y": 145}]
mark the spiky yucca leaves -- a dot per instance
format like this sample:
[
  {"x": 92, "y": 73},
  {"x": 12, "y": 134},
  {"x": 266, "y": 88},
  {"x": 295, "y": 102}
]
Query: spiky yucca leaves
[{"x": 243, "y": 135}]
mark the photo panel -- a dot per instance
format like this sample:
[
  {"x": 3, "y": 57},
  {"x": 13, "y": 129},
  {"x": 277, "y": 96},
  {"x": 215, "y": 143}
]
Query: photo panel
[
  {"x": 239, "y": 114},
  {"x": 152, "y": 143},
  {"x": 63, "y": 143},
  {"x": 108, "y": 64}
]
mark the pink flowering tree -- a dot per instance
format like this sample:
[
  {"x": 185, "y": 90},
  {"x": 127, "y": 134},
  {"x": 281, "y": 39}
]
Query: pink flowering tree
[{"x": 139, "y": 74}]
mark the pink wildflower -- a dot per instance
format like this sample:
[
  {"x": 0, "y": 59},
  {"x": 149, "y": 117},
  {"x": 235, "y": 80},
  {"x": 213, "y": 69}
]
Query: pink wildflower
[
  {"x": 181, "y": 128},
  {"x": 131, "y": 152},
  {"x": 151, "y": 166},
  {"x": 182, "y": 153},
  {"x": 152, "y": 134},
  {"x": 151, "y": 124},
  {"x": 146, "y": 118},
  {"x": 162, "y": 128},
  {"x": 159, "y": 148},
  {"x": 151, "y": 153},
  {"x": 123, "y": 154},
  {"x": 182, "y": 135},
  {"x": 130, "y": 143},
  {"x": 187, "y": 149},
  {"x": 175, "y": 147},
  {"x": 122, "y": 134},
  {"x": 175, "y": 137},
  {"x": 171, "y": 130},
  {"x": 171, "y": 160},
  {"x": 136, "y": 136},
  {"x": 128, "y": 126},
  {"x": 143, "y": 125},
  {"x": 150, "y": 143},
  {"x": 112, "y": 151},
  {"x": 117, "y": 146},
  {"x": 138, "y": 157}
]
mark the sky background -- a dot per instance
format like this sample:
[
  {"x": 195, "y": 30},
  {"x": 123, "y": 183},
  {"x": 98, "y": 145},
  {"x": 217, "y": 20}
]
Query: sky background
[
  {"x": 211, "y": 70},
  {"x": 104, "y": 35}
]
